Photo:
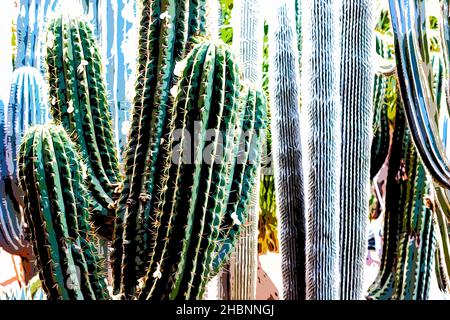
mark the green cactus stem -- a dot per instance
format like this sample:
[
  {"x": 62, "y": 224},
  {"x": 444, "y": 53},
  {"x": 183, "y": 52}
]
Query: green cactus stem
[
  {"x": 52, "y": 176},
  {"x": 78, "y": 102}
]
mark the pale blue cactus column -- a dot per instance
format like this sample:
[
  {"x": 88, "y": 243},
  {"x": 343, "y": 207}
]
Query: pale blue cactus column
[
  {"x": 31, "y": 28},
  {"x": 357, "y": 76},
  {"x": 322, "y": 110},
  {"x": 284, "y": 85},
  {"x": 27, "y": 106}
]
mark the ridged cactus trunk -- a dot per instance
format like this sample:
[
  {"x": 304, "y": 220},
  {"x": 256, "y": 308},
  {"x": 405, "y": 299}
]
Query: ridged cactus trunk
[
  {"x": 27, "y": 106},
  {"x": 31, "y": 23},
  {"x": 284, "y": 84},
  {"x": 202, "y": 190},
  {"x": 78, "y": 102},
  {"x": 356, "y": 87},
  {"x": 165, "y": 28},
  {"x": 409, "y": 241},
  {"x": 321, "y": 105},
  {"x": 248, "y": 30},
  {"x": 52, "y": 177}
]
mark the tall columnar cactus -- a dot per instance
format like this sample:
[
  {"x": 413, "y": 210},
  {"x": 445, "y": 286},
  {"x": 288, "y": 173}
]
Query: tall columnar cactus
[
  {"x": 27, "y": 106},
  {"x": 163, "y": 40},
  {"x": 284, "y": 84},
  {"x": 357, "y": 74},
  {"x": 322, "y": 113},
  {"x": 31, "y": 26},
  {"x": 409, "y": 236},
  {"x": 248, "y": 33},
  {"x": 78, "y": 102},
  {"x": 52, "y": 177}
]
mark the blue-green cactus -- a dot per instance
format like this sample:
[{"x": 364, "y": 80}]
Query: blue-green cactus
[{"x": 27, "y": 106}]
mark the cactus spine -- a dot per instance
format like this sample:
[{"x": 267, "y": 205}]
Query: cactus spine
[
  {"x": 248, "y": 35},
  {"x": 322, "y": 114},
  {"x": 26, "y": 107},
  {"x": 357, "y": 74},
  {"x": 52, "y": 177},
  {"x": 284, "y": 84},
  {"x": 78, "y": 102}
]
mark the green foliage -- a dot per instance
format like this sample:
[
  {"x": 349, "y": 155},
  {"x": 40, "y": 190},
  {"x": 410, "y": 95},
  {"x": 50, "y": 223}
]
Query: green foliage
[{"x": 226, "y": 30}]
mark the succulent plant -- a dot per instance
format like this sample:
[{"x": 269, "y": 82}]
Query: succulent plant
[
  {"x": 78, "y": 102},
  {"x": 27, "y": 107},
  {"x": 52, "y": 177}
]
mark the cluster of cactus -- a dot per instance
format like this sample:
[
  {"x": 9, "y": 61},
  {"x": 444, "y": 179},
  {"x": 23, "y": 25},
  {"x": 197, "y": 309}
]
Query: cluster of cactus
[{"x": 190, "y": 163}]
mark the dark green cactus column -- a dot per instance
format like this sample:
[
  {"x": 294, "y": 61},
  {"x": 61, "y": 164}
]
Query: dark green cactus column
[
  {"x": 186, "y": 203},
  {"x": 322, "y": 114},
  {"x": 78, "y": 102},
  {"x": 56, "y": 201},
  {"x": 163, "y": 40},
  {"x": 357, "y": 74},
  {"x": 408, "y": 238}
]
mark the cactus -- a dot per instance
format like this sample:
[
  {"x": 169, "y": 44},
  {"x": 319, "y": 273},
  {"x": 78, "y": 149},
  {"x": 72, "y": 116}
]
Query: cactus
[
  {"x": 186, "y": 202},
  {"x": 162, "y": 41},
  {"x": 409, "y": 242},
  {"x": 236, "y": 222},
  {"x": 52, "y": 177},
  {"x": 78, "y": 102},
  {"x": 381, "y": 139},
  {"x": 415, "y": 70},
  {"x": 322, "y": 114},
  {"x": 248, "y": 29},
  {"x": 286, "y": 148},
  {"x": 6, "y": 43},
  {"x": 27, "y": 106},
  {"x": 357, "y": 74},
  {"x": 442, "y": 263},
  {"x": 31, "y": 26}
]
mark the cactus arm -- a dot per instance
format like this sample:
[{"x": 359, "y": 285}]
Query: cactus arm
[
  {"x": 415, "y": 88},
  {"x": 57, "y": 212},
  {"x": 357, "y": 74},
  {"x": 284, "y": 86},
  {"x": 78, "y": 102}
]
